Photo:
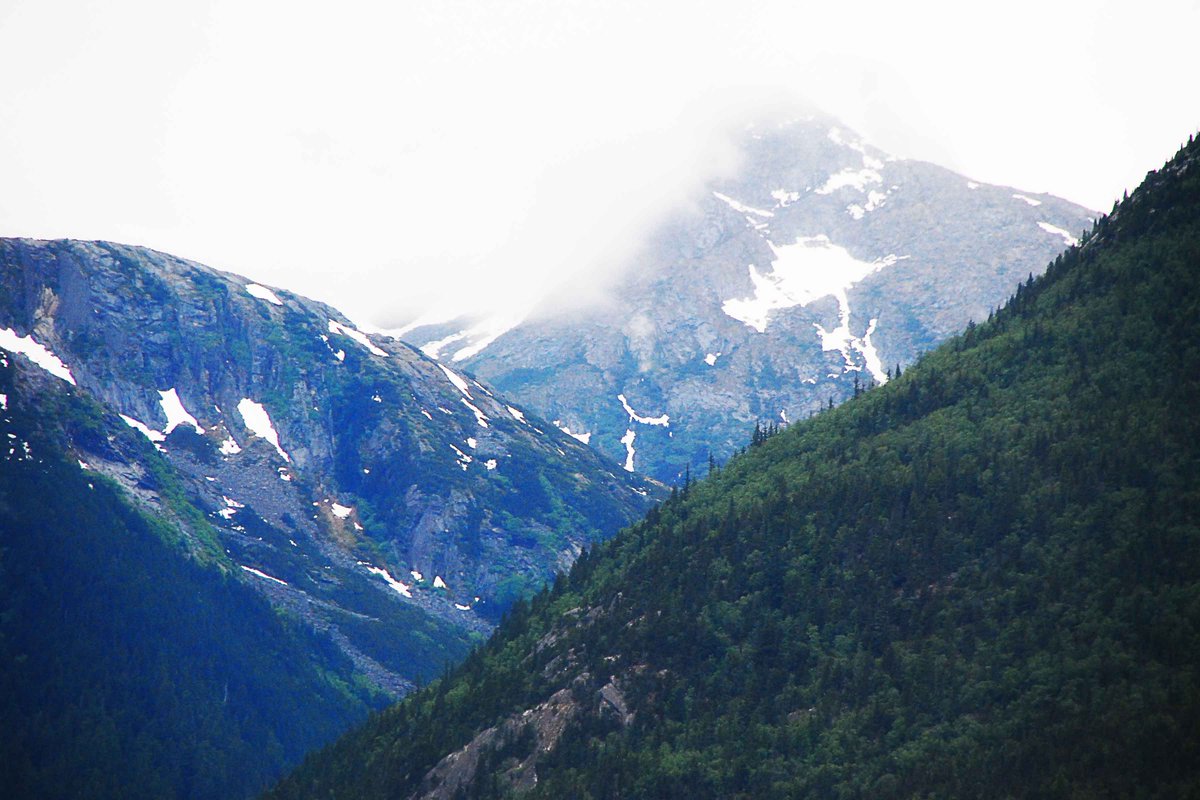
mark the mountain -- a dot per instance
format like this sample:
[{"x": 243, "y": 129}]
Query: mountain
[
  {"x": 262, "y": 448},
  {"x": 127, "y": 667},
  {"x": 979, "y": 580},
  {"x": 821, "y": 263}
]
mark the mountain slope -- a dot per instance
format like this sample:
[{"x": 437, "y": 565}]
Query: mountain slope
[
  {"x": 127, "y": 667},
  {"x": 979, "y": 580},
  {"x": 367, "y": 462},
  {"x": 822, "y": 262},
  {"x": 201, "y": 445}
]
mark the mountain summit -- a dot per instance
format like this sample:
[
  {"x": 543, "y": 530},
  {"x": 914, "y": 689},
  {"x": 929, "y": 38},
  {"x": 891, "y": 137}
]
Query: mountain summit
[{"x": 820, "y": 265}]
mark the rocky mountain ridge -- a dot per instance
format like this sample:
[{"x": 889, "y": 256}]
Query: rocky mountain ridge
[
  {"x": 823, "y": 263},
  {"x": 352, "y": 481}
]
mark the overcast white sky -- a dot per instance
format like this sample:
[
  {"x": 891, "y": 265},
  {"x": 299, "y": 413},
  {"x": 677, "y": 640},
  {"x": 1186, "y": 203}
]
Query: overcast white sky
[{"x": 398, "y": 156}]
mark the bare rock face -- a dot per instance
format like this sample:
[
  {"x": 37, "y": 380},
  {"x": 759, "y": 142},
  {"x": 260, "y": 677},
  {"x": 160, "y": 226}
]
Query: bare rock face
[
  {"x": 518, "y": 742},
  {"x": 823, "y": 262},
  {"x": 395, "y": 504},
  {"x": 513, "y": 749}
]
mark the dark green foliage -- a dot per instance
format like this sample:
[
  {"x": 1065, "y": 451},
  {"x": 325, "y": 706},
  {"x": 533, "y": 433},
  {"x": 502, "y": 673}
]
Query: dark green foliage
[
  {"x": 980, "y": 580},
  {"x": 127, "y": 667}
]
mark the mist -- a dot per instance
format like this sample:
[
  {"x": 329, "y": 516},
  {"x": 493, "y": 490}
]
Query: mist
[{"x": 466, "y": 157}]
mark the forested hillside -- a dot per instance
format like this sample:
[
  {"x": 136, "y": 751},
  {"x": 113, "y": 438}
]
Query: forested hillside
[
  {"x": 133, "y": 663},
  {"x": 980, "y": 580}
]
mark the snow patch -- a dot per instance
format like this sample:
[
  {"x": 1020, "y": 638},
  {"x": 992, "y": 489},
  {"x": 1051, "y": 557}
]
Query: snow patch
[
  {"x": 458, "y": 382},
  {"x": 586, "y": 438},
  {"x": 392, "y": 582},
  {"x": 784, "y": 198},
  {"x": 741, "y": 207},
  {"x": 972, "y": 185},
  {"x": 230, "y": 447},
  {"x": 1057, "y": 231},
  {"x": 480, "y": 417},
  {"x": 486, "y": 332},
  {"x": 262, "y": 574},
  {"x": 853, "y": 178},
  {"x": 463, "y": 458},
  {"x": 38, "y": 354},
  {"x": 418, "y": 577},
  {"x": 839, "y": 338},
  {"x": 871, "y": 355},
  {"x": 231, "y": 507},
  {"x": 176, "y": 414},
  {"x": 627, "y": 440},
  {"x": 663, "y": 421},
  {"x": 875, "y": 200},
  {"x": 1029, "y": 200},
  {"x": 438, "y": 583},
  {"x": 3, "y": 402},
  {"x": 517, "y": 415},
  {"x": 358, "y": 336},
  {"x": 431, "y": 318},
  {"x": 472, "y": 340},
  {"x": 843, "y": 341},
  {"x": 152, "y": 435},
  {"x": 258, "y": 423},
  {"x": 490, "y": 464},
  {"x": 808, "y": 270},
  {"x": 263, "y": 293},
  {"x": 433, "y": 349},
  {"x": 472, "y": 442},
  {"x": 461, "y": 607},
  {"x": 711, "y": 359},
  {"x": 428, "y": 416},
  {"x": 340, "y": 511}
]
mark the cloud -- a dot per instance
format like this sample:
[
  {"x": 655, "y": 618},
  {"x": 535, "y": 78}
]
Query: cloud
[{"x": 472, "y": 154}]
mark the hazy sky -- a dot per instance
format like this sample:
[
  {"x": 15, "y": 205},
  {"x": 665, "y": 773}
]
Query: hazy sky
[{"x": 406, "y": 155}]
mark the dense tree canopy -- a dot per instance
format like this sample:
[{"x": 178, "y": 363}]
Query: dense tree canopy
[
  {"x": 129, "y": 666},
  {"x": 980, "y": 580}
]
